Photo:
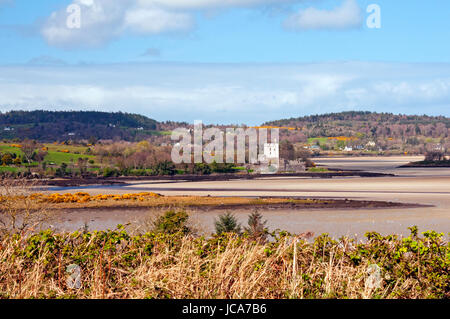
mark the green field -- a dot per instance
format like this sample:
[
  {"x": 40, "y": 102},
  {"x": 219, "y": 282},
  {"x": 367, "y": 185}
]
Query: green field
[
  {"x": 54, "y": 153},
  {"x": 5, "y": 148},
  {"x": 8, "y": 169},
  {"x": 58, "y": 158},
  {"x": 322, "y": 140}
]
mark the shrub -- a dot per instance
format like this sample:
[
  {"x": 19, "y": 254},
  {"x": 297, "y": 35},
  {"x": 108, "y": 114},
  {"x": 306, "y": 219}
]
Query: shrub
[
  {"x": 222, "y": 167},
  {"x": 7, "y": 159},
  {"x": 164, "y": 168},
  {"x": 172, "y": 222},
  {"x": 201, "y": 168},
  {"x": 110, "y": 172},
  {"x": 227, "y": 223}
]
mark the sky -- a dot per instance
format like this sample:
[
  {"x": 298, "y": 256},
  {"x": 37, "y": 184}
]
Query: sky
[{"x": 226, "y": 61}]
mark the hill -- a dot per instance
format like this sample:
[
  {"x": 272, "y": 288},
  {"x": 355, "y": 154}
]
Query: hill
[
  {"x": 48, "y": 126},
  {"x": 369, "y": 124}
]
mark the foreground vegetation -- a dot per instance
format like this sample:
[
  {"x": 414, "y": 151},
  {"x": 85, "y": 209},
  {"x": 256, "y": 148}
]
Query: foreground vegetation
[
  {"x": 167, "y": 258},
  {"x": 170, "y": 262}
]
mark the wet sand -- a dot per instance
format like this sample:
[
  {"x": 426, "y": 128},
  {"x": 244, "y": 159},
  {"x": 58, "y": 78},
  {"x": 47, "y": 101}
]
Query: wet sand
[
  {"x": 349, "y": 222},
  {"x": 414, "y": 186}
]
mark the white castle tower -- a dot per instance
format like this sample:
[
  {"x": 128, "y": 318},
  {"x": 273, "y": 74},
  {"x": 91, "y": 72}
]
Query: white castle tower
[
  {"x": 270, "y": 160},
  {"x": 272, "y": 151}
]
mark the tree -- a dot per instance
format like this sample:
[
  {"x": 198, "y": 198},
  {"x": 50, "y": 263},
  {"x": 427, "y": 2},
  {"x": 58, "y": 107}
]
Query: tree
[
  {"x": 92, "y": 140},
  {"x": 19, "y": 212},
  {"x": 28, "y": 149},
  {"x": 7, "y": 159},
  {"x": 227, "y": 223},
  {"x": 256, "y": 227},
  {"x": 303, "y": 153},
  {"x": 61, "y": 171},
  {"x": 287, "y": 150},
  {"x": 82, "y": 165},
  {"x": 40, "y": 156},
  {"x": 434, "y": 156},
  {"x": 164, "y": 168}
]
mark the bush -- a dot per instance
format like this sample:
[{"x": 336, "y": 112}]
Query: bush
[
  {"x": 61, "y": 171},
  {"x": 164, "y": 168},
  {"x": 7, "y": 159},
  {"x": 172, "y": 222},
  {"x": 110, "y": 172},
  {"x": 222, "y": 167},
  {"x": 202, "y": 169},
  {"x": 227, "y": 223}
]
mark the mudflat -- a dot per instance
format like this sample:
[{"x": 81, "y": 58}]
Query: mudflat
[{"x": 428, "y": 187}]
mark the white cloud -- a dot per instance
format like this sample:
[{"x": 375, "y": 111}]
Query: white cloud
[
  {"x": 346, "y": 16},
  {"x": 101, "y": 21},
  {"x": 105, "y": 20},
  {"x": 155, "y": 20},
  {"x": 233, "y": 93}
]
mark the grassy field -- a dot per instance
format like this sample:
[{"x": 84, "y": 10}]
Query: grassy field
[
  {"x": 7, "y": 148},
  {"x": 8, "y": 169},
  {"x": 58, "y": 158},
  {"x": 55, "y": 153},
  {"x": 322, "y": 140}
]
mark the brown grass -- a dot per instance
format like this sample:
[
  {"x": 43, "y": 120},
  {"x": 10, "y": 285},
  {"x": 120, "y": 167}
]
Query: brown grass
[{"x": 161, "y": 266}]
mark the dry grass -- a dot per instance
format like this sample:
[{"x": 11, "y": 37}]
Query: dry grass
[{"x": 114, "y": 265}]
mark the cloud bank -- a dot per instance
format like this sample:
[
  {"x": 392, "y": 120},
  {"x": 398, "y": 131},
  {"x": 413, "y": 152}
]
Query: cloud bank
[{"x": 229, "y": 93}]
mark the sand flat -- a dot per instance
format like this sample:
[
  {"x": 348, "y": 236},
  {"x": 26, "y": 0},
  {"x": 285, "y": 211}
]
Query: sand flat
[{"x": 421, "y": 186}]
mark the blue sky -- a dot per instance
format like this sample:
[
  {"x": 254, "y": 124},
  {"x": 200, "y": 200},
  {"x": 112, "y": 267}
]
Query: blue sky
[{"x": 222, "y": 61}]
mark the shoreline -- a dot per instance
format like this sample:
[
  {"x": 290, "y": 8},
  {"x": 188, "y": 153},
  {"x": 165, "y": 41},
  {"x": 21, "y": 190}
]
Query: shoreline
[
  {"x": 310, "y": 203},
  {"x": 120, "y": 181}
]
